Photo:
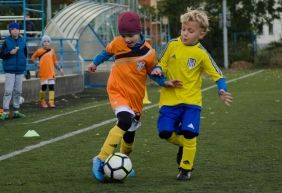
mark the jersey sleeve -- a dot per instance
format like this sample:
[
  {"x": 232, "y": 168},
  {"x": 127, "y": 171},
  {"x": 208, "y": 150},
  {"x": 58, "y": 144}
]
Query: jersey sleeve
[
  {"x": 151, "y": 60},
  {"x": 163, "y": 60},
  {"x": 34, "y": 55},
  {"x": 211, "y": 68},
  {"x": 54, "y": 57},
  {"x": 112, "y": 46}
]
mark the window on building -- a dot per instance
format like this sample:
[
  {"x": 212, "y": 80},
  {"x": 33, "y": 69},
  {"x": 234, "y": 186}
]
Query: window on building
[
  {"x": 270, "y": 28},
  {"x": 260, "y": 30}
]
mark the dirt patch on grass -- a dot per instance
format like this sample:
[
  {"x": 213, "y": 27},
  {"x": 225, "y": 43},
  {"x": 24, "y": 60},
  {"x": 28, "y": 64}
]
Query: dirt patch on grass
[{"x": 241, "y": 65}]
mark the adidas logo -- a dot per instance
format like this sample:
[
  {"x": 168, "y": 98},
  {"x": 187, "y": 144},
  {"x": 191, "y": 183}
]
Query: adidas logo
[{"x": 191, "y": 126}]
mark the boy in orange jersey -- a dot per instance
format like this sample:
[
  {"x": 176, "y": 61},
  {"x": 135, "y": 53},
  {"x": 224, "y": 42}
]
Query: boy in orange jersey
[
  {"x": 134, "y": 60},
  {"x": 47, "y": 64}
]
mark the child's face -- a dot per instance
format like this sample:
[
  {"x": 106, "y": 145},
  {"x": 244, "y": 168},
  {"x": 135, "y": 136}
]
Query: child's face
[
  {"x": 191, "y": 33},
  {"x": 131, "y": 39},
  {"x": 15, "y": 33},
  {"x": 46, "y": 44}
]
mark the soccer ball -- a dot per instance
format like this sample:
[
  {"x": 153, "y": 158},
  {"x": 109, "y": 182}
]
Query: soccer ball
[{"x": 117, "y": 166}]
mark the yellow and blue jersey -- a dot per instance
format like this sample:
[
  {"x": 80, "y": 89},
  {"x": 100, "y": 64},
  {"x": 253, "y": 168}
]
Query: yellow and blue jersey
[{"x": 187, "y": 64}]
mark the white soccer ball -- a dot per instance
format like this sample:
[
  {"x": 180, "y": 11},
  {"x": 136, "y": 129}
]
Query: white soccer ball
[
  {"x": 117, "y": 166},
  {"x": 21, "y": 100}
]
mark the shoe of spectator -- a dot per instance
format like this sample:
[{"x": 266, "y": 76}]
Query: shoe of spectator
[
  {"x": 51, "y": 104},
  {"x": 4, "y": 116},
  {"x": 17, "y": 114},
  {"x": 43, "y": 104}
]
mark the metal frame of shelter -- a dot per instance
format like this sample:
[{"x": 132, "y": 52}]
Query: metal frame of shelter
[
  {"x": 26, "y": 7},
  {"x": 73, "y": 20}
]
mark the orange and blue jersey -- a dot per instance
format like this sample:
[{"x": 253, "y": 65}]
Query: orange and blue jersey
[
  {"x": 47, "y": 63},
  {"x": 127, "y": 81}
]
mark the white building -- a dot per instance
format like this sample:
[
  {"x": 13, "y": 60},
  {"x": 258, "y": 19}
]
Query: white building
[{"x": 270, "y": 33}]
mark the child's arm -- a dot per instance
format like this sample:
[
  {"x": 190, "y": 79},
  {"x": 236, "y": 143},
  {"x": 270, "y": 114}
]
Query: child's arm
[
  {"x": 25, "y": 51},
  {"x": 100, "y": 58},
  {"x": 60, "y": 69},
  {"x": 212, "y": 69},
  {"x": 225, "y": 96},
  {"x": 34, "y": 58},
  {"x": 157, "y": 76},
  {"x": 5, "y": 54},
  {"x": 157, "y": 71}
]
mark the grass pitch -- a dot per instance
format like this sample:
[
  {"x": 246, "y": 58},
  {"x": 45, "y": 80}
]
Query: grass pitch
[{"x": 239, "y": 148}]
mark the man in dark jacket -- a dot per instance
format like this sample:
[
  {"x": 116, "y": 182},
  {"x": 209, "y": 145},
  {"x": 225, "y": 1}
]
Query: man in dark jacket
[{"x": 13, "y": 53}]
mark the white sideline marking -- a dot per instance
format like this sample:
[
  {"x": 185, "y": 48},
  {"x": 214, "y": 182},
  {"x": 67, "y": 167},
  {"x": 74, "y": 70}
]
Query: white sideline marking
[
  {"x": 232, "y": 80},
  {"x": 62, "y": 137},
  {"x": 70, "y": 134},
  {"x": 63, "y": 114}
]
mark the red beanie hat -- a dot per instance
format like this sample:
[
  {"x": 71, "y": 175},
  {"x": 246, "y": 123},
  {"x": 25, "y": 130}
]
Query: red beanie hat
[{"x": 129, "y": 23}]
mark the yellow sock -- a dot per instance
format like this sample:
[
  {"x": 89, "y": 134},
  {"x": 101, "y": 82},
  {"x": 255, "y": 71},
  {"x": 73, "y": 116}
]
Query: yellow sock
[
  {"x": 189, "y": 151},
  {"x": 112, "y": 141},
  {"x": 51, "y": 96},
  {"x": 41, "y": 95},
  {"x": 176, "y": 139},
  {"x": 126, "y": 148}
]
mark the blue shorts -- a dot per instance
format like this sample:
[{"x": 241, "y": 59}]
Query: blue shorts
[{"x": 179, "y": 118}]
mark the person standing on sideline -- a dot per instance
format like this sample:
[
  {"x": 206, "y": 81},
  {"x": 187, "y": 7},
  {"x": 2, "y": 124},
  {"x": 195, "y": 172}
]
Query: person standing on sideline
[
  {"x": 29, "y": 25},
  {"x": 187, "y": 60},
  {"x": 13, "y": 53},
  {"x": 47, "y": 64}
]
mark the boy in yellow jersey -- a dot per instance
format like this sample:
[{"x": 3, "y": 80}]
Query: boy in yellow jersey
[
  {"x": 47, "y": 64},
  {"x": 134, "y": 59},
  {"x": 186, "y": 60}
]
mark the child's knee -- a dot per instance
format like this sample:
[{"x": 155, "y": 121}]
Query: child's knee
[
  {"x": 124, "y": 120},
  {"x": 8, "y": 93},
  {"x": 189, "y": 134},
  {"x": 128, "y": 137},
  {"x": 165, "y": 134}
]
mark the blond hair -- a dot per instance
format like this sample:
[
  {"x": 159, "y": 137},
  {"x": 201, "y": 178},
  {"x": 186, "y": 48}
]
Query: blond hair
[{"x": 196, "y": 16}]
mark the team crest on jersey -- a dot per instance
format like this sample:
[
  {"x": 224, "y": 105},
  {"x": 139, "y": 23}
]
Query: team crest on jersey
[
  {"x": 140, "y": 65},
  {"x": 191, "y": 62}
]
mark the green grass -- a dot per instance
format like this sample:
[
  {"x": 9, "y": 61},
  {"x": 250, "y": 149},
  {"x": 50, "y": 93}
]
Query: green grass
[{"x": 239, "y": 148}]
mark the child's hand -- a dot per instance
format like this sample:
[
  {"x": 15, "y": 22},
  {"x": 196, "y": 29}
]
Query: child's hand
[
  {"x": 36, "y": 62},
  {"x": 14, "y": 51},
  {"x": 226, "y": 97},
  {"x": 156, "y": 72},
  {"x": 61, "y": 72},
  {"x": 173, "y": 83},
  {"x": 92, "y": 68}
]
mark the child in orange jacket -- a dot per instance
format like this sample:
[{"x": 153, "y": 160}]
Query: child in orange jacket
[{"x": 47, "y": 64}]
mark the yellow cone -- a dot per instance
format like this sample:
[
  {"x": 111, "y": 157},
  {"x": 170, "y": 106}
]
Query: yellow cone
[{"x": 146, "y": 98}]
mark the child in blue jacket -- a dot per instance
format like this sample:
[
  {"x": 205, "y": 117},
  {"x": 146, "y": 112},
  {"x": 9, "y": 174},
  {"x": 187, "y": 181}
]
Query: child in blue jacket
[{"x": 13, "y": 53}]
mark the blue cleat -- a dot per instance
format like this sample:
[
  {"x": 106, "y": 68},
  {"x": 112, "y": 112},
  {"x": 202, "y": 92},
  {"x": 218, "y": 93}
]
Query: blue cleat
[
  {"x": 97, "y": 169},
  {"x": 132, "y": 173}
]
